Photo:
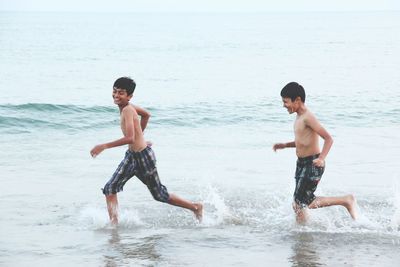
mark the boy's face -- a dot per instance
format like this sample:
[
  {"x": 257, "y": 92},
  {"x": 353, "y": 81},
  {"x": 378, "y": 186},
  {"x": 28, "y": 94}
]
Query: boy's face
[
  {"x": 290, "y": 105},
  {"x": 120, "y": 96}
]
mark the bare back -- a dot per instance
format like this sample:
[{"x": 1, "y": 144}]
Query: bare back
[
  {"x": 139, "y": 142},
  {"x": 306, "y": 138}
]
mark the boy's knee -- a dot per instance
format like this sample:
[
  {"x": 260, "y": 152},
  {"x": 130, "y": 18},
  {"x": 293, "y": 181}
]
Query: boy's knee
[
  {"x": 159, "y": 193},
  {"x": 160, "y": 198},
  {"x": 111, "y": 196},
  {"x": 296, "y": 207}
]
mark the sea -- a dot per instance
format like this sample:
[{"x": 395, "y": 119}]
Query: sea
[{"x": 211, "y": 82}]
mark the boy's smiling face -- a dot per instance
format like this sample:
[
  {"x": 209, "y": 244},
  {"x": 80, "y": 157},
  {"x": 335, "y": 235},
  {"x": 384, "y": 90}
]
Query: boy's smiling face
[
  {"x": 290, "y": 105},
  {"x": 120, "y": 96}
]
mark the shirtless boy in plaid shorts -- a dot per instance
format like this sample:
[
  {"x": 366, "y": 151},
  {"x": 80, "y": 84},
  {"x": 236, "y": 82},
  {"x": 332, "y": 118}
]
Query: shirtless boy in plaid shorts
[
  {"x": 139, "y": 159},
  {"x": 311, "y": 161}
]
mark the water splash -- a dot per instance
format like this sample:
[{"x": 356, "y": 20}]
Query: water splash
[
  {"x": 258, "y": 211},
  {"x": 216, "y": 212},
  {"x": 97, "y": 218}
]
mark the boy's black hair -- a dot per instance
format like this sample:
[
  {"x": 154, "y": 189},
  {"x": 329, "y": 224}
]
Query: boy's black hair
[
  {"x": 293, "y": 90},
  {"x": 125, "y": 83}
]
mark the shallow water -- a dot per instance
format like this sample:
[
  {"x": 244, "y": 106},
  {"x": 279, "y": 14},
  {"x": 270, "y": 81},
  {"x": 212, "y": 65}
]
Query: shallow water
[{"x": 212, "y": 85}]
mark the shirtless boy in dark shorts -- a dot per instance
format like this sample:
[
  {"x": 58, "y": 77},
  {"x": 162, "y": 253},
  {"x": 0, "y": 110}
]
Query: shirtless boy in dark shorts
[
  {"x": 311, "y": 161},
  {"x": 139, "y": 159}
]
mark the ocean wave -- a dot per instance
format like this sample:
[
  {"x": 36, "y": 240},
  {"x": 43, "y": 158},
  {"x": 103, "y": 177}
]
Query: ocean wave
[
  {"x": 44, "y": 107},
  {"x": 43, "y": 116},
  {"x": 33, "y": 116}
]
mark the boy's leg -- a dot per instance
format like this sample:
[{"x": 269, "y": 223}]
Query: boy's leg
[
  {"x": 197, "y": 208},
  {"x": 347, "y": 201},
  {"x": 112, "y": 207},
  {"x": 124, "y": 171},
  {"x": 160, "y": 193},
  {"x": 148, "y": 174},
  {"x": 301, "y": 213}
]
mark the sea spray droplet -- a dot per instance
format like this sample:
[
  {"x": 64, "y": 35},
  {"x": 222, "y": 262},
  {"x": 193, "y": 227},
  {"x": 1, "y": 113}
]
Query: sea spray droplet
[
  {"x": 215, "y": 209},
  {"x": 93, "y": 217}
]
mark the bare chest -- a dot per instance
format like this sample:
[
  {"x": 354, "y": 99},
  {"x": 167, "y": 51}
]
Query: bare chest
[
  {"x": 301, "y": 130},
  {"x": 136, "y": 124}
]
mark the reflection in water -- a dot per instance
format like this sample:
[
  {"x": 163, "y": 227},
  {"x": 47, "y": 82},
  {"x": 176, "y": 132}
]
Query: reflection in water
[
  {"x": 131, "y": 250},
  {"x": 304, "y": 250}
]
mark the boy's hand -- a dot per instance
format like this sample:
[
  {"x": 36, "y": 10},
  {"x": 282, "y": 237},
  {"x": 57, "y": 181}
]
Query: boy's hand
[
  {"x": 278, "y": 146},
  {"x": 319, "y": 162},
  {"x": 97, "y": 150}
]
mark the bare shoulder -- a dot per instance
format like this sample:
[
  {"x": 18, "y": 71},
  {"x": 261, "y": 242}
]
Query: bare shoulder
[
  {"x": 141, "y": 111},
  {"x": 309, "y": 117},
  {"x": 135, "y": 106},
  {"x": 128, "y": 113},
  {"x": 312, "y": 121},
  {"x": 129, "y": 109}
]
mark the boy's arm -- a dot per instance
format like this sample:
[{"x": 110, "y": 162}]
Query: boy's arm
[
  {"x": 283, "y": 145},
  {"x": 144, "y": 116},
  {"x": 129, "y": 137},
  {"x": 314, "y": 124}
]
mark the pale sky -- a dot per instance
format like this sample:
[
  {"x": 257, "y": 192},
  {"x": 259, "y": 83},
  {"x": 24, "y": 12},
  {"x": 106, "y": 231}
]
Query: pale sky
[{"x": 199, "y": 5}]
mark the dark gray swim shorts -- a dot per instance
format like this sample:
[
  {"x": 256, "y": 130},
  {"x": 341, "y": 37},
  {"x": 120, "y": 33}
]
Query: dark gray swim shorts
[
  {"x": 142, "y": 165},
  {"x": 307, "y": 178}
]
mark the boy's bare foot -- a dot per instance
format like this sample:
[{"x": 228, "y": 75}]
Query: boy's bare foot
[
  {"x": 198, "y": 212},
  {"x": 114, "y": 221},
  {"x": 351, "y": 205}
]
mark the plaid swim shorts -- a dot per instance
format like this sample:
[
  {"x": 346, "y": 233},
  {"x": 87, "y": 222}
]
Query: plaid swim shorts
[
  {"x": 307, "y": 178},
  {"x": 142, "y": 165}
]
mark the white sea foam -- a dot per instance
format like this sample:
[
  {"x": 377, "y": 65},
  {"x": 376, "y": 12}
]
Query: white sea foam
[{"x": 97, "y": 218}]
